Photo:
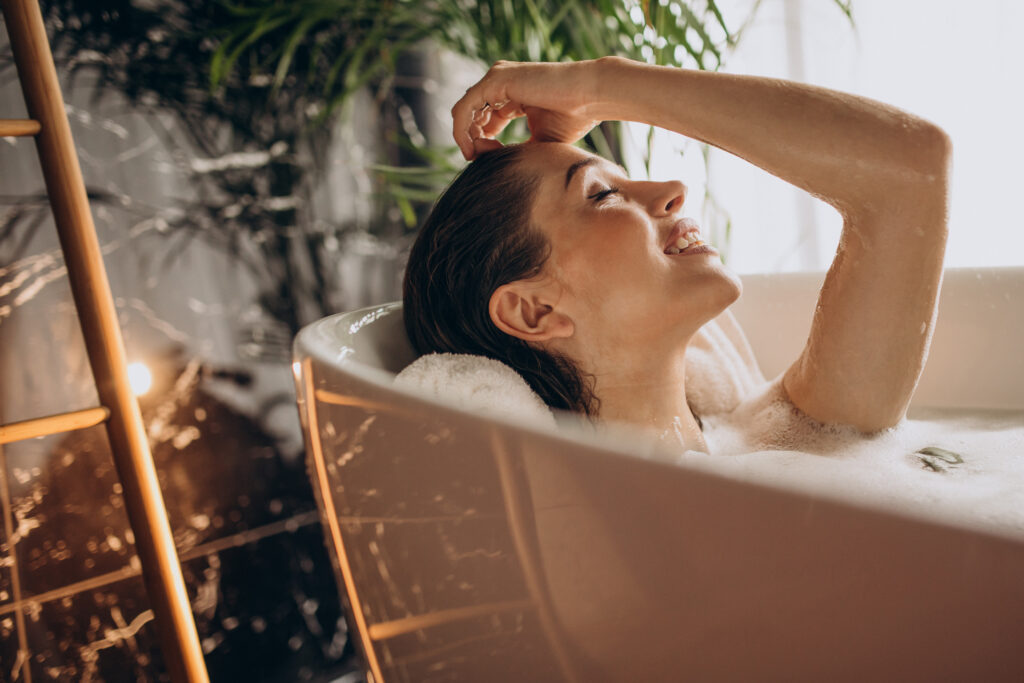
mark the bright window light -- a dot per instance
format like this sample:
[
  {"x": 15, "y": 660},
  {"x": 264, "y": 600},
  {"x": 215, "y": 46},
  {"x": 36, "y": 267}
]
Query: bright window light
[{"x": 903, "y": 52}]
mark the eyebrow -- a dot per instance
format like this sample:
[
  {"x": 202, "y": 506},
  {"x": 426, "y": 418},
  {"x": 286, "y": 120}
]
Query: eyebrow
[
  {"x": 587, "y": 162},
  {"x": 575, "y": 167}
]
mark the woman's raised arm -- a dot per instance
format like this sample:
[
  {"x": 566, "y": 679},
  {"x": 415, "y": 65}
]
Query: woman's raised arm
[{"x": 883, "y": 169}]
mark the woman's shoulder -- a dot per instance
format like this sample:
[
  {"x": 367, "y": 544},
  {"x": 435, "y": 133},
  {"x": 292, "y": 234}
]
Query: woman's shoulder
[
  {"x": 741, "y": 410},
  {"x": 721, "y": 370},
  {"x": 766, "y": 419}
]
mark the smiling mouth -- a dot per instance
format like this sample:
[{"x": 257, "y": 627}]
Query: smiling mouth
[
  {"x": 688, "y": 241},
  {"x": 685, "y": 239}
]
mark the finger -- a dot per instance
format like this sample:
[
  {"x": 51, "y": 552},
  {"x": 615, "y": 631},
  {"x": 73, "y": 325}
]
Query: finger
[
  {"x": 481, "y": 145},
  {"x": 464, "y": 115},
  {"x": 482, "y": 115},
  {"x": 494, "y": 127},
  {"x": 466, "y": 110},
  {"x": 500, "y": 118}
]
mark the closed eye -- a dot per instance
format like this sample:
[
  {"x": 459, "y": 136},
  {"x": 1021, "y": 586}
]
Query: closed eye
[{"x": 603, "y": 194}]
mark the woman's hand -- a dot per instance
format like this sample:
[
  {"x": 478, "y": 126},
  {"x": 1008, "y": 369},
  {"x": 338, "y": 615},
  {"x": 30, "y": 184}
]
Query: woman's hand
[{"x": 559, "y": 100}]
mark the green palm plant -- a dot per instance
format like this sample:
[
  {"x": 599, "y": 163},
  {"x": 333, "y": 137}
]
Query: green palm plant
[
  {"x": 343, "y": 45},
  {"x": 337, "y": 47}
]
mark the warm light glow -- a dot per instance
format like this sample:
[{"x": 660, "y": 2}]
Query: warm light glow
[{"x": 140, "y": 378}]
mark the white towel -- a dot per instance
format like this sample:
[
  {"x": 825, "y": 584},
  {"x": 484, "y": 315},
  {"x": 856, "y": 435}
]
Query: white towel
[
  {"x": 720, "y": 370},
  {"x": 475, "y": 382}
]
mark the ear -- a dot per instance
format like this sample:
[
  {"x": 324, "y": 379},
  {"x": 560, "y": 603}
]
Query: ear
[{"x": 524, "y": 309}]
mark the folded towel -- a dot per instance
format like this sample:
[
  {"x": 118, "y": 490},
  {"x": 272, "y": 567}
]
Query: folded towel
[{"x": 475, "y": 382}]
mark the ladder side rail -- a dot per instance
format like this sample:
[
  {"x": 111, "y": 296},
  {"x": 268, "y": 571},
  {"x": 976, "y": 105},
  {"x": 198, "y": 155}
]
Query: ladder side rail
[{"x": 98, "y": 318}]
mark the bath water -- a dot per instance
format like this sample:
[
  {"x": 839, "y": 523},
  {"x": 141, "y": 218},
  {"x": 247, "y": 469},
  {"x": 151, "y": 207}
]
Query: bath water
[{"x": 971, "y": 473}]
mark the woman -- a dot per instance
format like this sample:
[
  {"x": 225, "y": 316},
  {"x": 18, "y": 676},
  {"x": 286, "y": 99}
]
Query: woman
[{"x": 593, "y": 286}]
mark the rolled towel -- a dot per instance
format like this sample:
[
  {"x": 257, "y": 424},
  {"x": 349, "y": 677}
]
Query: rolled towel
[{"x": 477, "y": 383}]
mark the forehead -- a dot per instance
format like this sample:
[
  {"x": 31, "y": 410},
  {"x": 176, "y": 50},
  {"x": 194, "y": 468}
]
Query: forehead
[
  {"x": 549, "y": 163},
  {"x": 551, "y": 160}
]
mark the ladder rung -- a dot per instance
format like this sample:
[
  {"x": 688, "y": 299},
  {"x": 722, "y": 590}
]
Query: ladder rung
[
  {"x": 16, "y": 128},
  {"x": 54, "y": 424}
]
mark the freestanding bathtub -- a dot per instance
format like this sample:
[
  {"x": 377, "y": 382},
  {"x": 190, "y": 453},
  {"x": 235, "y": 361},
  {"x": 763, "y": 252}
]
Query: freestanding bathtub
[{"x": 472, "y": 548}]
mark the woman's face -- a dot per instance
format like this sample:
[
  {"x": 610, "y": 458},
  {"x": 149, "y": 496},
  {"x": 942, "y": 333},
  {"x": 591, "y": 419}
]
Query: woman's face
[{"x": 612, "y": 250}]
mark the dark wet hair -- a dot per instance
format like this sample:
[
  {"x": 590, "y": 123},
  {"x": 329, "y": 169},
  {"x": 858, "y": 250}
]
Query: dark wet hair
[{"x": 478, "y": 237}]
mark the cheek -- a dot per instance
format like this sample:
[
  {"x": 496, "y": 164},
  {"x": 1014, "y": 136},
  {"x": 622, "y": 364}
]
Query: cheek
[
  {"x": 608, "y": 273},
  {"x": 607, "y": 250}
]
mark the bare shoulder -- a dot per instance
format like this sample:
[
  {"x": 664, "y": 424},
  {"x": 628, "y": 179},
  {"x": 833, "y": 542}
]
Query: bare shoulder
[
  {"x": 766, "y": 419},
  {"x": 721, "y": 369}
]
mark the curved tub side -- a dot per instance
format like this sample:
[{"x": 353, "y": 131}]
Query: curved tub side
[{"x": 471, "y": 549}]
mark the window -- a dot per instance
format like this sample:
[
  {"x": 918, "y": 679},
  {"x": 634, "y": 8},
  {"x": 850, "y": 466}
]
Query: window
[{"x": 959, "y": 65}]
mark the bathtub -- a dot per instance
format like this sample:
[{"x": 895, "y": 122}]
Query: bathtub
[{"x": 484, "y": 549}]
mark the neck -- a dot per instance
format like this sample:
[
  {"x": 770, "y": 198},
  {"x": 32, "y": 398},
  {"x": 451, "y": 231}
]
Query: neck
[{"x": 651, "y": 392}]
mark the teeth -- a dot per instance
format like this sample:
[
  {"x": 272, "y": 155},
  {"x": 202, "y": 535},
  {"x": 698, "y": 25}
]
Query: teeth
[{"x": 685, "y": 242}]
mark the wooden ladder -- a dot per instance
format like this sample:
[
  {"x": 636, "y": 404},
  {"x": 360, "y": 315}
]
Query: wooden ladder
[{"x": 119, "y": 409}]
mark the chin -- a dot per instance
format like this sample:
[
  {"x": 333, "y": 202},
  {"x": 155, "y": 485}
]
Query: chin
[
  {"x": 734, "y": 287},
  {"x": 707, "y": 296},
  {"x": 721, "y": 288}
]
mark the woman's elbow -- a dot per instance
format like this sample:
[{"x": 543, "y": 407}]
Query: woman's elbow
[{"x": 929, "y": 151}]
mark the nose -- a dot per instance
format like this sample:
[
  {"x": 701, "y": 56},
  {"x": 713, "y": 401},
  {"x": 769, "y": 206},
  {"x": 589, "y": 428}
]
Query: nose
[{"x": 666, "y": 198}]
